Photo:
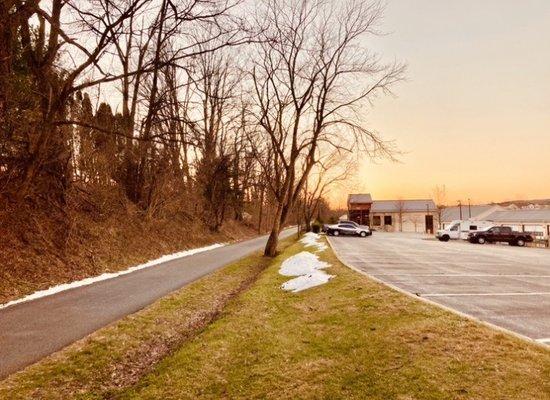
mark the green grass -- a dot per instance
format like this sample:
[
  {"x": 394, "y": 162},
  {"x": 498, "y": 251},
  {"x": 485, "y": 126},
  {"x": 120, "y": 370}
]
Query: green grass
[
  {"x": 351, "y": 338},
  {"x": 115, "y": 357}
]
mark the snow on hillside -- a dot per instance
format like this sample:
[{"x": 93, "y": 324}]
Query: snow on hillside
[{"x": 110, "y": 275}]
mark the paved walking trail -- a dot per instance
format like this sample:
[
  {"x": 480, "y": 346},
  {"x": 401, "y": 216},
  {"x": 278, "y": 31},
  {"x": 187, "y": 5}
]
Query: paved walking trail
[{"x": 32, "y": 330}]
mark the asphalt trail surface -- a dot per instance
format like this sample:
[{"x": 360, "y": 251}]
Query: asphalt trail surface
[{"x": 32, "y": 330}]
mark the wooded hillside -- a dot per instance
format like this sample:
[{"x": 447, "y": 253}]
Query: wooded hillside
[{"x": 201, "y": 112}]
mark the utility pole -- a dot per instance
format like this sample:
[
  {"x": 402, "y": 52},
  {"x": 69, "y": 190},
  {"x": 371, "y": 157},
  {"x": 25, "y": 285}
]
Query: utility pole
[
  {"x": 469, "y": 209},
  {"x": 460, "y": 208}
]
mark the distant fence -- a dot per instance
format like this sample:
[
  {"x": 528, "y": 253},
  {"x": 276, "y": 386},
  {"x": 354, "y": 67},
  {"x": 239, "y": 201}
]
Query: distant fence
[
  {"x": 541, "y": 237},
  {"x": 541, "y": 243}
]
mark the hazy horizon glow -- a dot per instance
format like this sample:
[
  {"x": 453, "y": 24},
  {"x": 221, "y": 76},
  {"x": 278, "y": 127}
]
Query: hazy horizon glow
[{"x": 474, "y": 113}]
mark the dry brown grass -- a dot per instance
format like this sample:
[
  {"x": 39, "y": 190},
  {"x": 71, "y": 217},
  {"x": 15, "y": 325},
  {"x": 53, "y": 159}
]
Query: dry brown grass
[{"x": 40, "y": 248}]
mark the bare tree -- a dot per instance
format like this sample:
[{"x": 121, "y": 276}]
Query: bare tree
[
  {"x": 332, "y": 169},
  {"x": 67, "y": 46},
  {"x": 145, "y": 100},
  {"x": 48, "y": 155},
  {"x": 310, "y": 77},
  {"x": 440, "y": 198},
  {"x": 400, "y": 206},
  {"x": 416, "y": 219}
]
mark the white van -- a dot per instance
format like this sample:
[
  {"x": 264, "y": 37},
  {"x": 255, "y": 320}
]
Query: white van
[{"x": 460, "y": 229}]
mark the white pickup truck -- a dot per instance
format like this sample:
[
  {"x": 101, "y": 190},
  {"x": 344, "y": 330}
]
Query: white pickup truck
[
  {"x": 461, "y": 229},
  {"x": 348, "y": 228}
]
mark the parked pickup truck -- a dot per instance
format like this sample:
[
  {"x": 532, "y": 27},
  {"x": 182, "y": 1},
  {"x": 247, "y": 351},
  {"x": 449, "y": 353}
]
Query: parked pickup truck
[
  {"x": 347, "y": 228},
  {"x": 500, "y": 234}
]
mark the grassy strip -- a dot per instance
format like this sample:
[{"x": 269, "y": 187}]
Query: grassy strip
[
  {"x": 115, "y": 357},
  {"x": 350, "y": 338}
]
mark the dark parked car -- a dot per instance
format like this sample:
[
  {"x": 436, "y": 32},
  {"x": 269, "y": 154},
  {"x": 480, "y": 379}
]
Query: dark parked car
[{"x": 500, "y": 234}]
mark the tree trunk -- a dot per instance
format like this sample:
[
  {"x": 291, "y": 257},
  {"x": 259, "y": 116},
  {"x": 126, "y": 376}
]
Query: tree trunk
[
  {"x": 273, "y": 241},
  {"x": 307, "y": 224},
  {"x": 6, "y": 42}
]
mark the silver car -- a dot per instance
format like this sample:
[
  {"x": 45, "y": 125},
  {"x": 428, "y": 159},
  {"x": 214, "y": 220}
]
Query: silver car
[{"x": 348, "y": 228}]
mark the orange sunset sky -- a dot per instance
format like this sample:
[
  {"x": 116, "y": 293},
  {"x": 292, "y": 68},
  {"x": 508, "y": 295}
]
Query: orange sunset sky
[{"x": 474, "y": 113}]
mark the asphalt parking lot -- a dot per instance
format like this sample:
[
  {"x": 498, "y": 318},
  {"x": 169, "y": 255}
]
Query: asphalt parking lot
[{"x": 506, "y": 286}]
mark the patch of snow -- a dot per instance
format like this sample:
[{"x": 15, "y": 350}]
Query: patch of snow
[
  {"x": 312, "y": 239},
  {"x": 307, "y": 268},
  {"x": 306, "y": 281},
  {"x": 301, "y": 264},
  {"x": 110, "y": 275}
]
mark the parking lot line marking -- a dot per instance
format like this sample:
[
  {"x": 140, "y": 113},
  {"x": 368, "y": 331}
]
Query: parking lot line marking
[
  {"x": 484, "y": 294},
  {"x": 471, "y": 317}
]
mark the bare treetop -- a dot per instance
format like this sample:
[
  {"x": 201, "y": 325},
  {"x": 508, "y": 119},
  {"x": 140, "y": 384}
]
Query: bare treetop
[{"x": 311, "y": 77}]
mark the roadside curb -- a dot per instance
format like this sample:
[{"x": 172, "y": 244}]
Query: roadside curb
[{"x": 428, "y": 301}]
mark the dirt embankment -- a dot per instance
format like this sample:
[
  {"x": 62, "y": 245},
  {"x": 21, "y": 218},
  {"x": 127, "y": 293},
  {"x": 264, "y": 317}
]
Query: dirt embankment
[{"x": 92, "y": 235}]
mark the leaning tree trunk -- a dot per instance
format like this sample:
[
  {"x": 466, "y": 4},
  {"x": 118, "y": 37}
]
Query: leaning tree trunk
[{"x": 273, "y": 241}]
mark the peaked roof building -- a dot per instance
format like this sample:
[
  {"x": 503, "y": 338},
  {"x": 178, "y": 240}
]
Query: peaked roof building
[
  {"x": 359, "y": 198},
  {"x": 395, "y": 206},
  {"x": 477, "y": 212}
]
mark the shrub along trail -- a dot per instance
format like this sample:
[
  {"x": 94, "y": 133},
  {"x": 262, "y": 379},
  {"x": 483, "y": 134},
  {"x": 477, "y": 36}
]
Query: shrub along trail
[{"x": 348, "y": 338}]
